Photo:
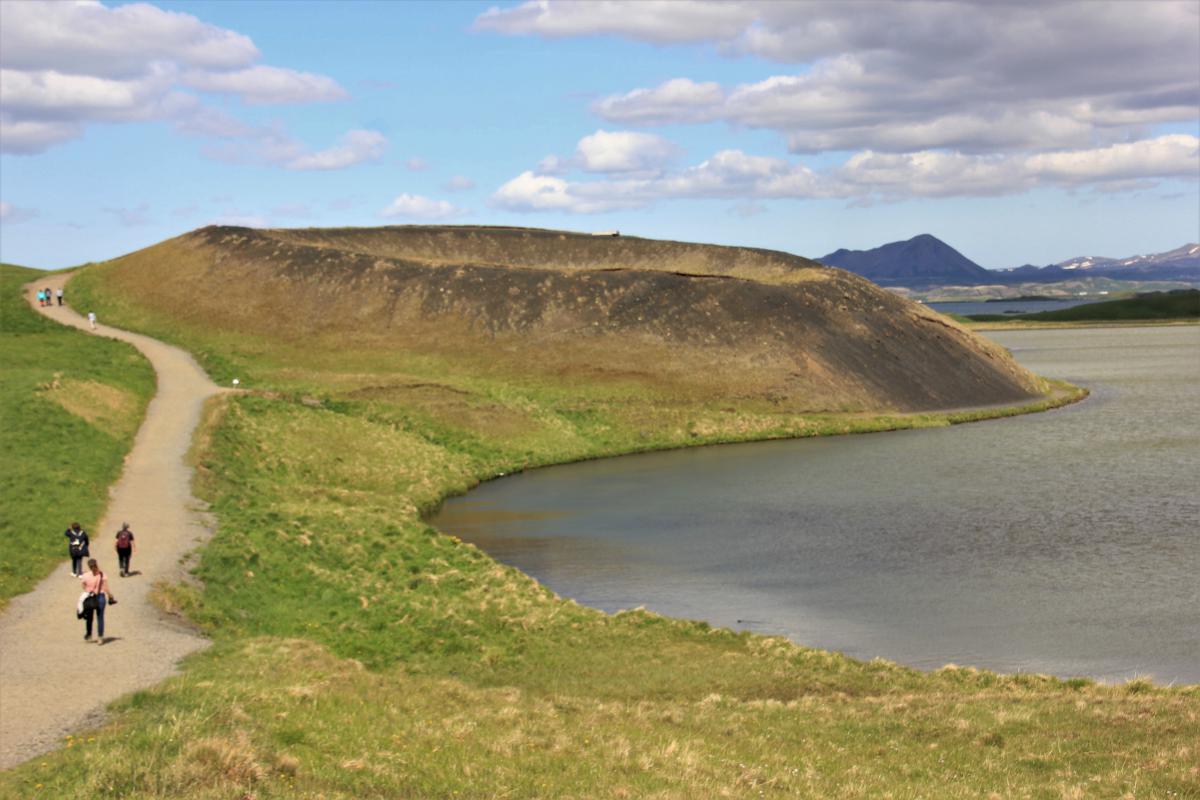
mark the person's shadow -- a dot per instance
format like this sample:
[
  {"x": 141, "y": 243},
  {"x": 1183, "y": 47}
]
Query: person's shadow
[
  {"x": 133, "y": 572},
  {"x": 108, "y": 639}
]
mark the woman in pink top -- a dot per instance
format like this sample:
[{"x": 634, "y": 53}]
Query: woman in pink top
[{"x": 95, "y": 583}]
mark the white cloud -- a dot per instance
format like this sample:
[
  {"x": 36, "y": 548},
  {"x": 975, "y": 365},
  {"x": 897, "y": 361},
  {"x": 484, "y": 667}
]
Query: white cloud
[
  {"x": 355, "y": 147},
  {"x": 263, "y": 85},
  {"x": 416, "y": 164},
  {"x": 531, "y": 192},
  {"x": 939, "y": 174},
  {"x": 659, "y": 21},
  {"x": 459, "y": 183},
  {"x": 66, "y": 65},
  {"x": 554, "y": 165},
  {"x": 624, "y": 151},
  {"x": 964, "y": 75},
  {"x": 25, "y": 137},
  {"x": 676, "y": 101},
  {"x": 86, "y": 38},
  {"x": 10, "y": 214},
  {"x": 866, "y": 176},
  {"x": 414, "y": 206}
]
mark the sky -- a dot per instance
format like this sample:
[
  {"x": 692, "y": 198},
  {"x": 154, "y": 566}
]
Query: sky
[{"x": 1019, "y": 132}]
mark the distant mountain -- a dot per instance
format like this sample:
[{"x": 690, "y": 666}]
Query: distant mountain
[
  {"x": 922, "y": 260},
  {"x": 1180, "y": 264},
  {"x": 925, "y": 261}
]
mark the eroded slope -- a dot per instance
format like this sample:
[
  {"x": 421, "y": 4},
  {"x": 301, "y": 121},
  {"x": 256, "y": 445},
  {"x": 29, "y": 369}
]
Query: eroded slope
[{"x": 700, "y": 320}]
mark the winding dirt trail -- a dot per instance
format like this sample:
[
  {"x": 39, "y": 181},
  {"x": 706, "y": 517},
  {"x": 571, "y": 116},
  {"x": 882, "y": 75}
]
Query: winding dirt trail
[{"x": 51, "y": 681}]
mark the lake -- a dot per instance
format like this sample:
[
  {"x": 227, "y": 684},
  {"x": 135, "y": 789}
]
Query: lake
[
  {"x": 1027, "y": 306},
  {"x": 1066, "y": 542}
]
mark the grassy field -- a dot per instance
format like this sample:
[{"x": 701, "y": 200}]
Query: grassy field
[
  {"x": 71, "y": 404},
  {"x": 360, "y": 653},
  {"x": 1182, "y": 304}
]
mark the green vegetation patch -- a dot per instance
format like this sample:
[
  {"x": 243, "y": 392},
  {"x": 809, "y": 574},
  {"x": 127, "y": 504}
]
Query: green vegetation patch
[
  {"x": 71, "y": 404},
  {"x": 361, "y": 653},
  {"x": 1172, "y": 305}
]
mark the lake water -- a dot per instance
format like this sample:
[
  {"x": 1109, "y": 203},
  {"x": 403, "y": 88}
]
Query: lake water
[
  {"x": 969, "y": 307},
  {"x": 1066, "y": 542}
]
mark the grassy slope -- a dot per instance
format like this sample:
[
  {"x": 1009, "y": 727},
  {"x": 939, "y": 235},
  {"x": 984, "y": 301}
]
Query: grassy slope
[
  {"x": 71, "y": 404},
  {"x": 359, "y": 653},
  {"x": 1179, "y": 305}
]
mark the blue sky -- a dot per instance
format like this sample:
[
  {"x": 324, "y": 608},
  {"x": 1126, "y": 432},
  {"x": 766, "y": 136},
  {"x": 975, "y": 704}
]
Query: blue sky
[{"x": 1018, "y": 133}]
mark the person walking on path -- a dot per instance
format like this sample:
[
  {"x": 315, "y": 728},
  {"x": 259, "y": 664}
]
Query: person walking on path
[
  {"x": 59, "y": 294},
  {"x": 95, "y": 585},
  {"x": 77, "y": 547},
  {"x": 125, "y": 548},
  {"x": 41, "y": 298},
  {"x": 92, "y": 319}
]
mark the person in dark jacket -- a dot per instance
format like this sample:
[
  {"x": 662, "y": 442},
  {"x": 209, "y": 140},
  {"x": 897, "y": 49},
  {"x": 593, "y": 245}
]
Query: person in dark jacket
[
  {"x": 125, "y": 548},
  {"x": 77, "y": 548}
]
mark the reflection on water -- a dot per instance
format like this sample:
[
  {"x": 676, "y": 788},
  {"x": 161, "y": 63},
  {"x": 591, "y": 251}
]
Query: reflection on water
[{"x": 1064, "y": 542}]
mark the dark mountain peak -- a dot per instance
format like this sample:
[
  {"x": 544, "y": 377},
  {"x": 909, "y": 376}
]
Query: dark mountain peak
[{"x": 923, "y": 259}]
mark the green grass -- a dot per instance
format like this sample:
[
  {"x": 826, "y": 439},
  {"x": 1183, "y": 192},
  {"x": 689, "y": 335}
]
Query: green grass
[
  {"x": 70, "y": 405},
  {"x": 358, "y": 652},
  {"x": 1181, "y": 304}
]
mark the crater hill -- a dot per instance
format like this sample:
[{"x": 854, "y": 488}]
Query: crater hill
[{"x": 668, "y": 318}]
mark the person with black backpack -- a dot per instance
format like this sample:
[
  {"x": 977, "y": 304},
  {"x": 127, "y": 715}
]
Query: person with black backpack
[
  {"x": 125, "y": 548},
  {"x": 77, "y": 547}
]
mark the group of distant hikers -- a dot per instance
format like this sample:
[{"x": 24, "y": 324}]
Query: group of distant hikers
[
  {"x": 46, "y": 297},
  {"x": 97, "y": 594}
]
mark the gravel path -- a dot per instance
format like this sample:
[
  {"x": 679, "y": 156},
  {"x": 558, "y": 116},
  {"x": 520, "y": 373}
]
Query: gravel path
[{"x": 51, "y": 681}]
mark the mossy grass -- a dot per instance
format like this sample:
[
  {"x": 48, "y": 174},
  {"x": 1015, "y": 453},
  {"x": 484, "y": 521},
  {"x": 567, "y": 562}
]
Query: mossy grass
[
  {"x": 71, "y": 404},
  {"x": 1178, "y": 306},
  {"x": 358, "y": 652}
]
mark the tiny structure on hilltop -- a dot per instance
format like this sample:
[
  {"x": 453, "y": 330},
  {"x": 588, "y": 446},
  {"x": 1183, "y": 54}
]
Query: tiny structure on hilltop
[{"x": 670, "y": 317}]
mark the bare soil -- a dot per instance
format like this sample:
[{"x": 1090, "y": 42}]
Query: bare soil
[{"x": 53, "y": 682}]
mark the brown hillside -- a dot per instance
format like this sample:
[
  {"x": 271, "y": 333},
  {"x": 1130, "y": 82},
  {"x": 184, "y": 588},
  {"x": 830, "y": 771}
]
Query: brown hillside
[{"x": 693, "y": 319}]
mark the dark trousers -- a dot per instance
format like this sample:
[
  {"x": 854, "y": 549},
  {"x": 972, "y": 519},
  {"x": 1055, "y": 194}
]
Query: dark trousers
[
  {"x": 123, "y": 554},
  {"x": 60, "y": 300},
  {"x": 101, "y": 602},
  {"x": 76, "y": 564}
]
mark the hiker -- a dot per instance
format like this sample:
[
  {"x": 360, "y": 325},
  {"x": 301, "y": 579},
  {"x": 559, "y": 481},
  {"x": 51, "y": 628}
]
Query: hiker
[
  {"x": 77, "y": 547},
  {"x": 96, "y": 596},
  {"x": 49, "y": 297},
  {"x": 125, "y": 548},
  {"x": 41, "y": 298},
  {"x": 92, "y": 319},
  {"x": 59, "y": 293}
]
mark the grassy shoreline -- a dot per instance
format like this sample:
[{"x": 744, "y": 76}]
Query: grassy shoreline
[
  {"x": 360, "y": 652},
  {"x": 1032, "y": 325}
]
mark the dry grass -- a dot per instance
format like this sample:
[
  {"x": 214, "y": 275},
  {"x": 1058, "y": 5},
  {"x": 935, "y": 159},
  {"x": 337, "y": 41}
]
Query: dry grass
[{"x": 111, "y": 409}]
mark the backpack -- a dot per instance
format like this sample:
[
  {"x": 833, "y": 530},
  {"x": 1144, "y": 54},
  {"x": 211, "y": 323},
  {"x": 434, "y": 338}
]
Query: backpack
[{"x": 124, "y": 538}]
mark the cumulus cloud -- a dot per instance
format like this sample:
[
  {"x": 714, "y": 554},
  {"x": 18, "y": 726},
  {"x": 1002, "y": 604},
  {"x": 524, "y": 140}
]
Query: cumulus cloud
[
  {"x": 624, "y": 151},
  {"x": 10, "y": 214},
  {"x": 263, "y": 85},
  {"x": 355, "y": 147},
  {"x": 413, "y": 206},
  {"x": 866, "y": 177},
  {"x": 970, "y": 76},
  {"x": 66, "y": 65},
  {"x": 659, "y": 21}
]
